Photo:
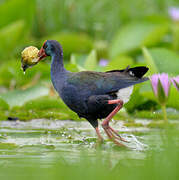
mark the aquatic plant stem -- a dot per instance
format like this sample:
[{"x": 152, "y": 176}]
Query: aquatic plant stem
[{"x": 164, "y": 113}]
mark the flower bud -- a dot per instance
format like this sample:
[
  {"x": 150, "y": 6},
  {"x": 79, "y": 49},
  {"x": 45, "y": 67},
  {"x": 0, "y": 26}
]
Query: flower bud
[{"x": 161, "y": 85}]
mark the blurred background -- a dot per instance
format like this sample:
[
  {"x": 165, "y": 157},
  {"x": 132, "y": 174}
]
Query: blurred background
[{"x": 95, "y": 35}]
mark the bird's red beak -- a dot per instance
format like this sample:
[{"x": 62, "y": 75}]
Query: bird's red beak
[{"x": 41, "y": 53}]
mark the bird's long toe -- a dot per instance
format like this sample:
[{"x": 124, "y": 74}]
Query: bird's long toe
[
  {"x": 111, "y": 133},
  {"x": 116, "y": 133}
]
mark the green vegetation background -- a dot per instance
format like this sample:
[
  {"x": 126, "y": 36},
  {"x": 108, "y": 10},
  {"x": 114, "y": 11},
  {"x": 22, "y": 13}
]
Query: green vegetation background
[
  {"x": 135, "y": 32},
  {"x": 124, "y": 33}
]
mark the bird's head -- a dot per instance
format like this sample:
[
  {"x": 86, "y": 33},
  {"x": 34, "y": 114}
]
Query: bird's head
[{"x": 50, "y": 48}]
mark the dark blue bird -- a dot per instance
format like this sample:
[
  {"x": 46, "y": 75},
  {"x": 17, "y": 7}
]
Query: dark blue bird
[{"x": 92, "y": 95}]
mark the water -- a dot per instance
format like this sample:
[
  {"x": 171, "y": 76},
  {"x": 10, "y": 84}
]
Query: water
[
  {"x": 48, "y": 149},
  {"x": 47, "y": 138}
]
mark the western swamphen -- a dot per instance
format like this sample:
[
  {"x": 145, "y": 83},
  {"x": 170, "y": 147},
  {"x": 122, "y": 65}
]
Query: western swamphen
[{"x": 92, "y": 95}]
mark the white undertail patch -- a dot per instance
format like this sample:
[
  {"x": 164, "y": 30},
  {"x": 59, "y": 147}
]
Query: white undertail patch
[
  {"x": 125, "y": 93},
  {"x": 131, "y": 73}
]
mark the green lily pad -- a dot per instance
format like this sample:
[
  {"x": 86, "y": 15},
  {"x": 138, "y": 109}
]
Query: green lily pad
[
  {"x": 164, "y": 60},
  {"x": 135, "y": 35},
  {"x": 19, "y": 97}
]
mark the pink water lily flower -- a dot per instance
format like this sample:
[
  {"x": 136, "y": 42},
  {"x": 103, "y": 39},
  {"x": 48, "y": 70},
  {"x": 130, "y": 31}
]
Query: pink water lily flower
[
  {"x": 160, "y": 79},
  {"x": 175, "y": 81},
  {"x": 161, "y": 86}
]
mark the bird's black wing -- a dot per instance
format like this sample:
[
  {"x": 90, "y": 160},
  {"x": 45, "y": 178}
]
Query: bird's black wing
[{"x": 107, "y": 82}]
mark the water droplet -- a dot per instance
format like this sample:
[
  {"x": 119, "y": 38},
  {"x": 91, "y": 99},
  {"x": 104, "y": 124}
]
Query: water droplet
[{"x": 24, "y": 72}]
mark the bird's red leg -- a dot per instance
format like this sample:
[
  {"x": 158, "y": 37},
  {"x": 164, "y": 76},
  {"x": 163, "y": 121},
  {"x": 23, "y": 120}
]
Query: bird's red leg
[
  {"x": 111, "y": 133},
  {"x": 99, "y": 135}
]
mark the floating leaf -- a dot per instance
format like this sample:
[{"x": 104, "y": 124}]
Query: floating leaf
[
  {"x": 19, "y": 97},
  {"x": 164, "y": 60},
  {"x": 135, "y": 35}
]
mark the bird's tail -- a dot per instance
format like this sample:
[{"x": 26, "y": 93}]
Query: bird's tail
[{"x": 136, "y": 71}]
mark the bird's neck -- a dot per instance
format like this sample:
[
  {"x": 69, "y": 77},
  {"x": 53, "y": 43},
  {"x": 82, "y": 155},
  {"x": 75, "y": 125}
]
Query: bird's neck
[
  {"x": 57, "y": 65},
  {"x": 58, "y": 72}
]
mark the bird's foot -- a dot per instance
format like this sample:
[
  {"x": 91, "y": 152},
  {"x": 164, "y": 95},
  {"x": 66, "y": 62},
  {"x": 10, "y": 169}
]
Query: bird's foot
[
  {"x": 116, "y": 133},
  {"x": 113, "y": 135}
]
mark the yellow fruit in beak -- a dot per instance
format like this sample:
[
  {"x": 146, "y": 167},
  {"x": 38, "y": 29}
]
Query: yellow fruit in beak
[{"x": 29, "y": 57}]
